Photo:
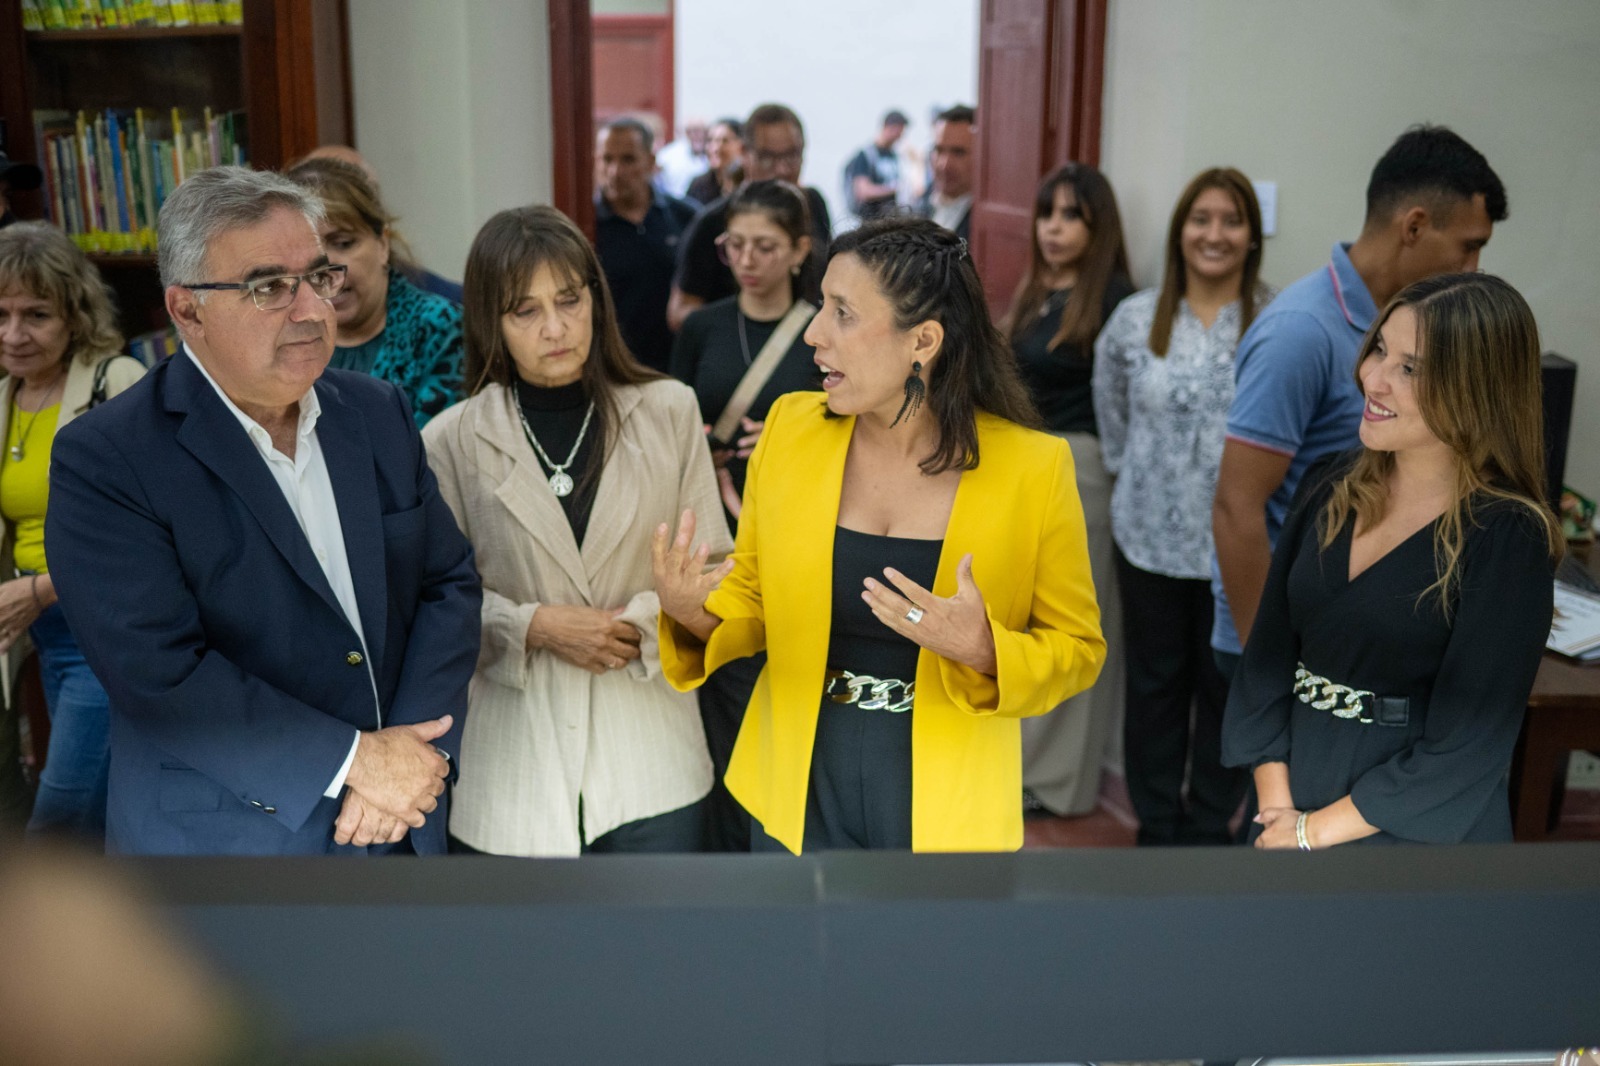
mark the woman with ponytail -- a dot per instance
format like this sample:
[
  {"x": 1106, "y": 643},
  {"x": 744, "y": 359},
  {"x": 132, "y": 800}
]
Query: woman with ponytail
[{"x": 911, "y": 556}]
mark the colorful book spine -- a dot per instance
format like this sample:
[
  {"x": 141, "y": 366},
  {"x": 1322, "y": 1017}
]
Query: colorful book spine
[{"x": 32, "y": 16}]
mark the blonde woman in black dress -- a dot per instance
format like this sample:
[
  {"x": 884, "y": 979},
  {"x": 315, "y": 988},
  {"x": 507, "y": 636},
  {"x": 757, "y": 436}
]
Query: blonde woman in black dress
[{"x": 1386, "y": 675}]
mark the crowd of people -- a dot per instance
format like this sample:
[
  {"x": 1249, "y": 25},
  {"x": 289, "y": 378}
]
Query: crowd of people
[{"x": 723, "y": 532}]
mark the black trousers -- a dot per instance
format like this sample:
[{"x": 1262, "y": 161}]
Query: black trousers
[
  {"x": 666, "y": 833},
  {"x": 723, "y": 699},
  {"x": 1172, "y": 729}
]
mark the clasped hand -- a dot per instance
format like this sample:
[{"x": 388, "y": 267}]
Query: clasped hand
[
  {"x": 591, "y": 638},
  {"x": 954, "y": 628},
  {"x": 1277, "y": 828},
  {"x": 18, "y": 609},
  {"x": 395, "y": 781}
]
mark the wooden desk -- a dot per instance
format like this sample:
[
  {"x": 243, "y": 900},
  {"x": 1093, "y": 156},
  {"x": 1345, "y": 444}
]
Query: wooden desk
[{"x": 1563, "y": 716}]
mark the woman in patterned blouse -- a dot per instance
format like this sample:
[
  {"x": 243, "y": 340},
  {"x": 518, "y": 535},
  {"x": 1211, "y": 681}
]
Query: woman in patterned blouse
[
  {"x": 1163, "y": 379},
  {"x": 388, "y": 327}
]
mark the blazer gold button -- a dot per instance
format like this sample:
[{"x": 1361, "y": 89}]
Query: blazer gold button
[{"x": 353, "y": 658}]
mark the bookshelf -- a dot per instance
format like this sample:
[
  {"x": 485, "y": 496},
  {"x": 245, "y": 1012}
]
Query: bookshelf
[{"x": 282, "y": 73}]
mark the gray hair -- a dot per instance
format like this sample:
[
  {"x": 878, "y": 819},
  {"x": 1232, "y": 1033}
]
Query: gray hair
[{"x": 219, "y": 199}]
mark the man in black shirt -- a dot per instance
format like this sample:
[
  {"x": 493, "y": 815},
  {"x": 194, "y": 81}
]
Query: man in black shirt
[
  {"x": 774, "y": 147},
  {"x": 949, "y": 200},
  {"x": 872, "y": 177},
  {"x": 637, "y": 230}
]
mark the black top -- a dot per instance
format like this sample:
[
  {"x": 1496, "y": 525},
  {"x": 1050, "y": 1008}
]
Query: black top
[
  {"x": 858, "y": 641},
  {"x": 638, "y": 260},
  {"x": 1059, "y": 379},
  {"x": 706, "y": 188},
  {"x": 702, "y": 274},
  {"x": 555, "y": 416},
  {"x": 710, "y": 357},
  {"x": 1441, "y": 776},
  {"x": 881, "y": 166}
]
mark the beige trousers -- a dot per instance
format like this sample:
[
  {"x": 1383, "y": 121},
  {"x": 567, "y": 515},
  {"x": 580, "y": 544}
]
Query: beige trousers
[{"x": 1062, "y": 751}]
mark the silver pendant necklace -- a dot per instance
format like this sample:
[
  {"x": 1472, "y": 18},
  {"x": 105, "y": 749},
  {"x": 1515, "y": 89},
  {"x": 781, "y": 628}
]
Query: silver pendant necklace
[{"x": 560, "y": 480}]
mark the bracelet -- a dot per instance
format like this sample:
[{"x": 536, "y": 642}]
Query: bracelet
[
  {"x": 1300, "y": 832},
  {"x": 33, "y": 586}
]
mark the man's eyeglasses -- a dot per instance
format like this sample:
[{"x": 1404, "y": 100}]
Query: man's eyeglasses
[
  {"x": 276, "y": 293},
  {"x": 730, "y": 248},
  {"x": 772, "y": 159}
]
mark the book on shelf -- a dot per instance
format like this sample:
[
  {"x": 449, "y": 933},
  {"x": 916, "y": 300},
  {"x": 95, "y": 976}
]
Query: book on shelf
[
  {"x": 119, "y": 14},
  {"x": 151, "y": 348},
  {"x": 108, "y": 173}
]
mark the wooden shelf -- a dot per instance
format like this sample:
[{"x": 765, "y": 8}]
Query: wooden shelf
[
  {"x": 132, "y": 33},
  {"x": 122, "y": 259}
]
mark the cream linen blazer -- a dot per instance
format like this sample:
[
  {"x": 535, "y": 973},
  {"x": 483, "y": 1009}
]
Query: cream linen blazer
[{"x": 541, "y": 732}]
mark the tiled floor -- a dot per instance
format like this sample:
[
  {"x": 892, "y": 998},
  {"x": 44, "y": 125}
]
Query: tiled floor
[{"x": 1112, "y": 824}]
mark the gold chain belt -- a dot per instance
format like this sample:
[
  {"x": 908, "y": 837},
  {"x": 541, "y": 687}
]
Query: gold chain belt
[{"x": 867, "y": 692}]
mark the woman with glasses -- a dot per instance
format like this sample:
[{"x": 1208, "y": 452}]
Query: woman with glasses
[
  {"x": 739, "y": 355},
  {"x": 387, "y": 326},
  {"x": 59, "y": 351},
  {"x": 564, "y": 458}
]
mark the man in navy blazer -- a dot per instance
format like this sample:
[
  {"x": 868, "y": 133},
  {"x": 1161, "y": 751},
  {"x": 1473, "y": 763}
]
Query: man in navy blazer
[{"x": 257, "y": 563}]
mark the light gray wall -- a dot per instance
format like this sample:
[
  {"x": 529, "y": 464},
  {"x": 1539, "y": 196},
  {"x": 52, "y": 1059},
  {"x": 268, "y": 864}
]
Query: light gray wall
[
  {"x": 839, "y": 63},
  {"x": 452, "y": 108},
  {"x": 1309, "y": 94}
]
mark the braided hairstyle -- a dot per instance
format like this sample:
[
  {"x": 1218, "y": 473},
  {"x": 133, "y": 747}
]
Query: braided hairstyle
[{"x": 926, "y": 274}]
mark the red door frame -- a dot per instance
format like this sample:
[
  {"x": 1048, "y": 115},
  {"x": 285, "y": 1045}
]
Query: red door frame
[
  {"x": 625, "y": 25},
  {"x": 572, "y": 110}
]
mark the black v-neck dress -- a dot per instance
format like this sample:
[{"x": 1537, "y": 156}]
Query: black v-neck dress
[{"x": 1431, "y": 767}]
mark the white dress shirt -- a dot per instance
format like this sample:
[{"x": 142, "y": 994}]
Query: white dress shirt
[{"x": 308, "y": 490}]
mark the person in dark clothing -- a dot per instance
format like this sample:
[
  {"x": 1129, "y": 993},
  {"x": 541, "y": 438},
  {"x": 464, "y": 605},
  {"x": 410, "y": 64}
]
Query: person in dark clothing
[
  {"x": 872, "y": 176},
  {"x": 774, "y": 147},
  {"x": 1384, "y": 681},
  {"x": 724, "y": 144},
  {"x": 720, "y": 346},
  {"x": 1077, "y": 275},
  {"x": 17, "y": 176},
  {"x": 948, "y": 200},
  {"x": 637, "y": 230}
]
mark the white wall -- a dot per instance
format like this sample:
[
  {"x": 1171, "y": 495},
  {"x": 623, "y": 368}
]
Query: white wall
[
  {"x": 1309, "y": 94},
  {"x": 839, "y": 63},
  {"x": 452, "y": 108}
]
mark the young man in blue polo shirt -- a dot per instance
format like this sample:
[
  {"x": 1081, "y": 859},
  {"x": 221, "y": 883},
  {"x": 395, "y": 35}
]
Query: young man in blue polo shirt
[{"x": 1432, "y": 203}]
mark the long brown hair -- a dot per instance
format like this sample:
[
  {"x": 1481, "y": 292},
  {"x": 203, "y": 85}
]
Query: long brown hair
[
  {"x": 505, "y": 255},
  {"x": 1175, "y": 277},
  {"x": 1105, "y": 258},
  {"x": 1478, "y": 390},
  {"x": 925, "y": 273}
]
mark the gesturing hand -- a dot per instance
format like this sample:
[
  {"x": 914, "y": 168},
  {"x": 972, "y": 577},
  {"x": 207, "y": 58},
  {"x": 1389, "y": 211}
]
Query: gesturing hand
[
  {"x": 398, "y": 770},
  {"x": 745, "y": 446},
  {"x": 589, "y": 638},
  {"x": 681, "y": 578},
  {"x": 956, "y": 628}
]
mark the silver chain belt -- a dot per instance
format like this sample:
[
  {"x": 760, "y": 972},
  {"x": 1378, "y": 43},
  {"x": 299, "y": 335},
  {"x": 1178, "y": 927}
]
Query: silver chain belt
[
  {"x": 1325, "y": 695},
  {"x": 867, "y": 692}
]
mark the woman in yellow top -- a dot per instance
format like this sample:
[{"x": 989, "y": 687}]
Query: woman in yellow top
[
  {"x": 911, "y": 557},
  {"x": 58, "y": 349}
]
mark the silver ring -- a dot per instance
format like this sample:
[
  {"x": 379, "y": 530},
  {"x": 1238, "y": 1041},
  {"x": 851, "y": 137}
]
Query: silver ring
[{"x": 914, "y": 615}]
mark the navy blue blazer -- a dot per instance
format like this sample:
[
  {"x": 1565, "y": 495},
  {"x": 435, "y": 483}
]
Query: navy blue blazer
[{"x": 236, "y": 682}]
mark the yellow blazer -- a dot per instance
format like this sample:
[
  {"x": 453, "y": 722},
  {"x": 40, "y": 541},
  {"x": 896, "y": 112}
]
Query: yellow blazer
[{"x": 1017, "y": 513}]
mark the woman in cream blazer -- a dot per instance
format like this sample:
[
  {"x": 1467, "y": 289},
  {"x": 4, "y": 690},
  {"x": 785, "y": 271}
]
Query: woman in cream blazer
[
  {"x": 573, "y": 740},
  {"x": 1004, "y": 627}
]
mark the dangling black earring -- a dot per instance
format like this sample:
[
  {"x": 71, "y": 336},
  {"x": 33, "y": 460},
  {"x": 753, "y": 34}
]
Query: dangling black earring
[{"x": 915, "y": 391}]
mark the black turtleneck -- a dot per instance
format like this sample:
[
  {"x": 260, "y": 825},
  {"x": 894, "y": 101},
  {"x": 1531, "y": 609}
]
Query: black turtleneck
[{"x": 555, "y": 415}]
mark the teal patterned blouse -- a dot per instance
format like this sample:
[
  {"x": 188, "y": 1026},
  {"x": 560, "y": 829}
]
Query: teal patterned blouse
[{"x": 420, "y": 349}]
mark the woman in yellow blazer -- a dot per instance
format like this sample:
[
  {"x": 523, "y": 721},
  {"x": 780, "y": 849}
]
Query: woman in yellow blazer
[{"x": 849, "y": 495}]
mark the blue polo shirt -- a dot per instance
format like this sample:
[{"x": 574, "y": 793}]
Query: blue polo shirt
[{"x": 1295, "y": 389}]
